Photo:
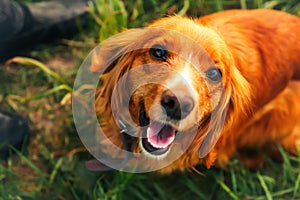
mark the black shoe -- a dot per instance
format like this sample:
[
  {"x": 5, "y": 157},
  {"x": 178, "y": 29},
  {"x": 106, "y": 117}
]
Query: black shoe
[
  {"x": 40, "y": 22},
  {"x": 14, "y": 130}
]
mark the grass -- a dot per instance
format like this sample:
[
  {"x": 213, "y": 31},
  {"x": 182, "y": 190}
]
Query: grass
[{"x": 52, "y": 165}]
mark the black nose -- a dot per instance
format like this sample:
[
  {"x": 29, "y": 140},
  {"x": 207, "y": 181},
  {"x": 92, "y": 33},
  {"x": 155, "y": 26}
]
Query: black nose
[{"x": 177, "y": 107}]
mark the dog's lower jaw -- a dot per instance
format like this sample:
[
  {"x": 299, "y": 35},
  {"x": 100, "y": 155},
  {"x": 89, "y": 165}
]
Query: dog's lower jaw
[{"x": 152, "y": 156}]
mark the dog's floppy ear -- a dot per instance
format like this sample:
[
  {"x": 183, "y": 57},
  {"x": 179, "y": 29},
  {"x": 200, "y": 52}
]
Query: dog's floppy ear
[
  {"x": 107, "y": 54},
  {"x": 237, "y": 98}
]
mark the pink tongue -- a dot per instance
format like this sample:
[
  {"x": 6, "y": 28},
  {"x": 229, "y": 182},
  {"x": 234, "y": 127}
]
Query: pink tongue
[{"x": 159, "y": 135}]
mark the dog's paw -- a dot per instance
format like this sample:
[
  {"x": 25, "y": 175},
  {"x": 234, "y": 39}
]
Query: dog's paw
[{"x": 291, "y": 143}]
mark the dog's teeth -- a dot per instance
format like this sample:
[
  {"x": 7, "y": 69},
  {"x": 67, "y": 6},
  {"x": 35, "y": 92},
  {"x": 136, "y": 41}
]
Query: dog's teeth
[{"x": 154, "y": 145}]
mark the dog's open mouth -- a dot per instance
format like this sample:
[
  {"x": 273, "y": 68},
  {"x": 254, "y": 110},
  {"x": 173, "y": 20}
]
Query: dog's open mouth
[{"x": 158, "y": 137}]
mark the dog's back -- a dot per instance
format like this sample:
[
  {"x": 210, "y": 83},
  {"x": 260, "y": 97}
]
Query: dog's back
[{"x": 264, "y": 43}]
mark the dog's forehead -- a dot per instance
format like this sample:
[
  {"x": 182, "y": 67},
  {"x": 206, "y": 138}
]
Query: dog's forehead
[
  {"x": 179, "y": 45},
  {"x": 172, "y": 39}
]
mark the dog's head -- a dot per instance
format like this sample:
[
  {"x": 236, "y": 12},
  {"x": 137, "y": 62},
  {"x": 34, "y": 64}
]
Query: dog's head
[{"x": 173, "y": 79}]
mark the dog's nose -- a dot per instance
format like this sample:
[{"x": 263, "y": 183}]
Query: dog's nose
[{"x": 177, "y": 107}]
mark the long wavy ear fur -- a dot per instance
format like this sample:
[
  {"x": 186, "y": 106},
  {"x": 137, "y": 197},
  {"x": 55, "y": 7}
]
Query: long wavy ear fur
[
  {"x": 111, "y": 50},
  {"x": 235, "y": 102},
  {"x": 111, "y": 60}
]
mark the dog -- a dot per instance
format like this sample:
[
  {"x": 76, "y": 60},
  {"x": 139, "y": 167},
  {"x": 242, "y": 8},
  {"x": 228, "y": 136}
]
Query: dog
[{"x": 228, "y": 82}]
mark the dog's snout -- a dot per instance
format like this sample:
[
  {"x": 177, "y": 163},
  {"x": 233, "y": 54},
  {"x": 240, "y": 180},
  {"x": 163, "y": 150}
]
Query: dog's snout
[{"x": 177, "y": 106}]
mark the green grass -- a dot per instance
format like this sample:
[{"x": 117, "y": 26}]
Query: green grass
[{"x": 52, "y": 166}]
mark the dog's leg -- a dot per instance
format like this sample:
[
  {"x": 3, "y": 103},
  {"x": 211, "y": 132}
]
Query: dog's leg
[
  {"x": 292, "y": 142},
  {"x": 277, "y": 122}
]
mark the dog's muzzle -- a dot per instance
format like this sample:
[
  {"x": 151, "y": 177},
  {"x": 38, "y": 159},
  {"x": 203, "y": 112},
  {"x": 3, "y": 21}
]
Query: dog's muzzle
[{"x": 157, "y": 137}]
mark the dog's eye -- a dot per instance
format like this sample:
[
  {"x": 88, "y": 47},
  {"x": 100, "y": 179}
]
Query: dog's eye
[
  {"x": 214, "y": 75},
  {"x": 158, "y": 52}
]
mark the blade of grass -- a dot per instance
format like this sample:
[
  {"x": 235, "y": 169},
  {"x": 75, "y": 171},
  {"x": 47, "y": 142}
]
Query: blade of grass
[
  {"x": 270, "y": 4},
  {"x": 12, "y": 97},
  {"x": 287, "y": 166},
  {"x": 277, "y": 194},
  {"x": 296, "y": 187},
  {"x": 282, "y": 192},
  {"x": 219, "y": 5},
  {"x": 36, "y": 63},
  {"x": 264, "y": 186},
  {"x": 161, "y": 192},
  {"x": 75, "y": 195},
  {"x": 186, "y": 6},
  {"x": 194, "y": 188},
  {"x": 55, "y": 170},
  {"x": 243, "y": 4},
  {"x": 233, "y": 180},
  {"x": 138, "y": 194},
  {"x": 227, "y": 189},
  {"x": 32, "y": 166},
  {"x": 99, "y": 192},
  {"x": 258, "y": 3},
  {"x": 49, "y": 92},
  {"x": 67, "y": 98},
  {"x": 47, "y": 154}
]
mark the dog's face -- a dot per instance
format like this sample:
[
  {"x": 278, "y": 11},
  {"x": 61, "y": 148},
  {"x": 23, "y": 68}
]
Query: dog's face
[
  {"x": 166, "y": 81},
  {"x": 182, "y": 87}
]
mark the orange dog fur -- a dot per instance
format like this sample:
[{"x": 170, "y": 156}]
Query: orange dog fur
[{"x": 257, "y": 53}]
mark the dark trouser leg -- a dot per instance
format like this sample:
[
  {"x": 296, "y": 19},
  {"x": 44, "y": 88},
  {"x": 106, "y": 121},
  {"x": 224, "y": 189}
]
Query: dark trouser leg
[{"x": 22, "y": 26}]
